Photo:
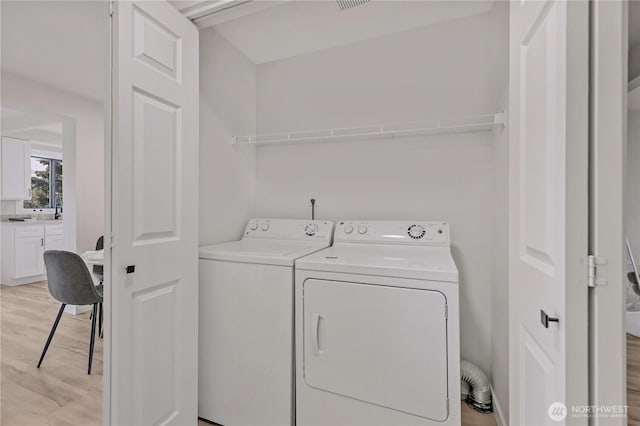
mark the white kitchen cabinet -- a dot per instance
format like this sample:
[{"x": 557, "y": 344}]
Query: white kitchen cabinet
[
  {"x": 23, "y": 247},
  {"x": 16, "y": 169},
  {"x": 54, "y": 237},
  {"x": 54, "y": 242},
  {"x": 28, "y": 257}
]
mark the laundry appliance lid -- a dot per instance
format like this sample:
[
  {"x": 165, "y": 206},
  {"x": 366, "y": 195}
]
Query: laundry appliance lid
[
  {"x": 402, "y": 261},
  {"x": 262, "y": 251}
]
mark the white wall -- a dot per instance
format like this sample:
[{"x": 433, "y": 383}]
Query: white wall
[
  {"x": 634, "y": 61},
  {"x": 632, "y": 196},
  {"x": 227, "y": 108},
  {"x": 500, "y": 280},
  {"x": 632, "y": 193},
  {"x": 59, "y": 43},
  {"x": 450, "y": 69},
  {"x": 84, "y": 119},
  {"x": 634, "y": 39}
]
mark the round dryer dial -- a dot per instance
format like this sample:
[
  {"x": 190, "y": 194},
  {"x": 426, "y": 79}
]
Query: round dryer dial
[
  {"x": 362, "y": 229},
  {"x": 348, "y": 229},
  {"x": 311, "y": 229},
  {"x": 254, "y": 226},
  {"x": 416, "y": 231},
  {"x": 265, "y": 227}
]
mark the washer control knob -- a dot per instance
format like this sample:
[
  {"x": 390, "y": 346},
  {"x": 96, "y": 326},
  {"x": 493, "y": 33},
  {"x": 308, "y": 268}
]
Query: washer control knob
[
  {"x": 348, "y": 229},
  {"x": 254, "y": 226},
  {"x": 265, "y": 227},
  {"x": 416, "y": 231},
  {"x": 311, "y": 229},
  {"x": 362, "y": 229}
]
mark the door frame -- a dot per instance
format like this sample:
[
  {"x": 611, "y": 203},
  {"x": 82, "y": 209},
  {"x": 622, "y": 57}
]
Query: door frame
[
  {"x": 108, "y": 202},
  {"x": 607, "y": 151},
  {"x": 607, "y": 366}
]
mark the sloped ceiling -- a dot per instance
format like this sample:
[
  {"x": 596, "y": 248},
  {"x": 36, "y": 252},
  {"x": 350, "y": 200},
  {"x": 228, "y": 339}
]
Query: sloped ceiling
[{"x": 297, "y": 27}]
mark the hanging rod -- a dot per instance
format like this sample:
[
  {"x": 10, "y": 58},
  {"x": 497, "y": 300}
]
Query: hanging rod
[{"x": 467, "y": 124}]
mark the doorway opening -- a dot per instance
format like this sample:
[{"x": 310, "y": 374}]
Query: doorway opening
[{"x": 52, "y": 201}]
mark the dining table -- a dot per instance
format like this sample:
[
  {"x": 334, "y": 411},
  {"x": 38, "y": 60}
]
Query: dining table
[{"x": 93, "y": 258}]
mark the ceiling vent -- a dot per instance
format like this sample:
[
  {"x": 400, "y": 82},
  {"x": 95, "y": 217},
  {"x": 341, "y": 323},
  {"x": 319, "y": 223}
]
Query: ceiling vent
[{"x": 348, "y": 4}]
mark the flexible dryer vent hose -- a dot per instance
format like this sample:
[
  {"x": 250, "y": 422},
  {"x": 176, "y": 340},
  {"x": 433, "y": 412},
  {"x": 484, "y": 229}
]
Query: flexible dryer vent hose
[{"x": 479, "y": 397}]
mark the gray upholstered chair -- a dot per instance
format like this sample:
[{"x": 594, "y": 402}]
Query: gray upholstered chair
[{"x": 70, "y": 283}]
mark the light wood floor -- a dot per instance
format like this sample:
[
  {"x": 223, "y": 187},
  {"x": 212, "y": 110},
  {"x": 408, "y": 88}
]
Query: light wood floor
[
  {"x": 61, "y": 392},
  {"x": 633, "y": 380}
]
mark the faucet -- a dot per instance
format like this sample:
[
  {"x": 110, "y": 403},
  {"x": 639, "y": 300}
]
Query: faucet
[{"x": 58, "y": 203}]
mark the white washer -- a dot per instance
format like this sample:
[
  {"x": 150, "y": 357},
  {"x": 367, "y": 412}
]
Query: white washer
[
  {"x": 246, "y": 321},
  {"x": 377, "y": 328}
]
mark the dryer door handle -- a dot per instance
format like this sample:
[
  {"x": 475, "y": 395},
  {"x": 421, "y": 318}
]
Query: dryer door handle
[{"x": 315, "y": 333}]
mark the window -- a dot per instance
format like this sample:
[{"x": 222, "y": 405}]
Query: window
[{"x": 46, "y": 183}]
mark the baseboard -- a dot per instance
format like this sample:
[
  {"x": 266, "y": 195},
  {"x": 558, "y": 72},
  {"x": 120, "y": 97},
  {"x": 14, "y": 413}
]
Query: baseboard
[
  {"x": 77, "y": 309},
  {"x": 632, "y": 319},
  {"x": 497, "y": 410},
  {"x": 22, "y": 281}
]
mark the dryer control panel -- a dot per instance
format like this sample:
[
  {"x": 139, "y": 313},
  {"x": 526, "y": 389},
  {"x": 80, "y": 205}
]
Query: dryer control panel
[
  {"x": 289, "y": 229},
  {"x": 393, "y": 232}
]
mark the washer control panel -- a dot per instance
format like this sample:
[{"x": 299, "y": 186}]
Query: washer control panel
[
  {"x": 393, "y": 232},
  {"x": 416, "y": 231},
  {"x": 289, "y": 229}
]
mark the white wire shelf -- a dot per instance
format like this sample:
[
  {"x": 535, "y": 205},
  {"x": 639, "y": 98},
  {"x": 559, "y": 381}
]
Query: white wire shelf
[{"x": 468, "y": 124}]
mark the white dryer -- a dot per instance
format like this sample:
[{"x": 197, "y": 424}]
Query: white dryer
[
  {"x": 246, "y": 321},
  {"x": 377, "y": 328}
]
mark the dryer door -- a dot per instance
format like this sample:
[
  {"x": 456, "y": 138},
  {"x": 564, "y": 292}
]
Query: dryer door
[{"x": 378, "y": 344}]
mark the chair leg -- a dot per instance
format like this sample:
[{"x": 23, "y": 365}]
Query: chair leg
[
  {"x": 100, "y": 318},
  {"x": 93, "y": 336},
  {"x": 51, "y": 333}
]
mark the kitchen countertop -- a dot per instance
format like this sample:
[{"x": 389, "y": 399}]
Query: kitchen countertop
[{"x": 34, "y": 222}]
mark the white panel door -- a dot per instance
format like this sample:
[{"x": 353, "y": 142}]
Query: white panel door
[
  {"x": 154, "y": 216},
  {"x": 28, "y": 257},
  {"x": 548, "y": 211},
  {"x": 382, "y": 345},
  {"x": 16, "y": 169}
]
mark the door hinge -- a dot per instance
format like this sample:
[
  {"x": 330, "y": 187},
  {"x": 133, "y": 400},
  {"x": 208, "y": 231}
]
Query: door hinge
[
  {"x": 111, "y": 8},
  {"x": 592, "y": 264}
]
